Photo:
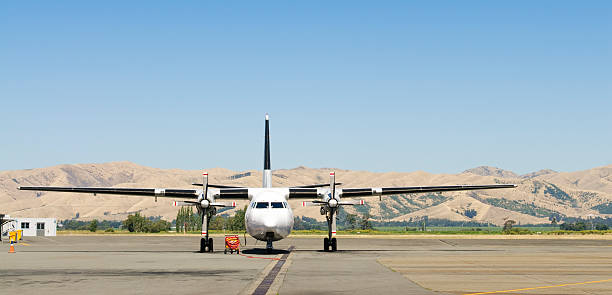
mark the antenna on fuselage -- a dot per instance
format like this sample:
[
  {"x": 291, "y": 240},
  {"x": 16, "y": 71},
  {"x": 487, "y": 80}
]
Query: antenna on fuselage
[{"x": 267, "y": 173}]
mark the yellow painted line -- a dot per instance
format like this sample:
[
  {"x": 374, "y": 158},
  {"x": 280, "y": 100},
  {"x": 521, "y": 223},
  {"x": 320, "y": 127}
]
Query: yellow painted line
[
  {"x": 25, "y": 244},
  {"x": 543, "y": 287}
]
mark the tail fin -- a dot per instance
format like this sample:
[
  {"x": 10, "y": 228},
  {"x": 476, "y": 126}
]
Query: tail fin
[{"x": 267, "y": 173}]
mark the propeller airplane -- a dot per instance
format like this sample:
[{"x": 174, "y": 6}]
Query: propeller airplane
[{"x": 268, "y": 216}]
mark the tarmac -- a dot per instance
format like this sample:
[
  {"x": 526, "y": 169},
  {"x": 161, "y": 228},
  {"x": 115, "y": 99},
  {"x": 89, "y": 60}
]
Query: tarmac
[{"x": 130, "y": 264}]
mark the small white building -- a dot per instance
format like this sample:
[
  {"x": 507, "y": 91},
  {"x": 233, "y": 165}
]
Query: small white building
[{"x": 31, "y": 227}]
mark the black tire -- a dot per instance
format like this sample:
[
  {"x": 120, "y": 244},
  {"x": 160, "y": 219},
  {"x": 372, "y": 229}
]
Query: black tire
[
  {"x": 334, "y": 245},
  {"x": 326, "y": 244},
  {"x": 225, "y": 251},
  {"x": 202, "y": 245},
  {"x": 210, "y": 245}
]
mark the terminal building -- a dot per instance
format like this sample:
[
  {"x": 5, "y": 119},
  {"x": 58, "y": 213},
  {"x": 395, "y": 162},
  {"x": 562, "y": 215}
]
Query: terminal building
[{"x": 31, "y": 227}]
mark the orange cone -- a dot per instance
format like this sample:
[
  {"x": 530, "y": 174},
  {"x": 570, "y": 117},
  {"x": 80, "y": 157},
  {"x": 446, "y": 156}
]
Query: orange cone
[{"x": 12, "y": 249}]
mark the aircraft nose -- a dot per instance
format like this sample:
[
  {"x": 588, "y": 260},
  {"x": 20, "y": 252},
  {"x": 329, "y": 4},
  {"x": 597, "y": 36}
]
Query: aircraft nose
[{"x": 270, "y": 224}]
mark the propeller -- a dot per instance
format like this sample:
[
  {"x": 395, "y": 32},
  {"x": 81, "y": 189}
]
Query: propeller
[
  {"x": 207, "y": 207},
  {"x": 330, "y": 204}
]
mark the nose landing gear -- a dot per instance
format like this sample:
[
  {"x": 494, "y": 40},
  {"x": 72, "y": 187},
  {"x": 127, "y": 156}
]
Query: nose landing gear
[{"x": 269, "y": 238}]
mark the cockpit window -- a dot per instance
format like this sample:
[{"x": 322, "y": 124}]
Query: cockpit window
[
  {"x": 261, "y": 205},
  {"x": 277, "y": 205}
]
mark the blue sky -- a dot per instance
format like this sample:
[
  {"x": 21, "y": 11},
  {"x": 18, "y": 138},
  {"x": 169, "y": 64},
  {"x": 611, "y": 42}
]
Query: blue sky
[{"x": 382, "y": 86}]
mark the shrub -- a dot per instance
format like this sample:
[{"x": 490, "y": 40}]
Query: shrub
[{"x": 93, "y": 225}]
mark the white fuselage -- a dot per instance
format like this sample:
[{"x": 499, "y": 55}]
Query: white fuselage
[{"x": 269, "y": 214}]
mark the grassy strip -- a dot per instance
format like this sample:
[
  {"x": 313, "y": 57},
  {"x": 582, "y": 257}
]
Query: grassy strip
[
  {"x": 514, "y": 231},
  {"x": 582, "y": 232}
]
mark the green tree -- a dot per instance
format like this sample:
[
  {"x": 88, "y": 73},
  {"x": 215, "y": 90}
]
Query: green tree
[
  {"x": 139, "y": 223},
  {"x": 93, "y": 225},
  {"x": 508, "y": 225},
  {"x": 351, "y": 221},
  {"x": 365, "y": 221},
  {"x": 470, "y": 213},
  {"x": 159, "y": 226},
  {"x": 217, "y": 223},
  {"x": 237, "y": 223},
  {"x": 135, "y": 223},
  {"x": 187, "y": 220}
]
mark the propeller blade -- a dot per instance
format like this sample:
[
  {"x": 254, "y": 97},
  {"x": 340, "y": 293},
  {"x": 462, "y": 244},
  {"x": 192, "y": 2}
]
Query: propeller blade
[
  {"x": 352, "y": 202},
  {"x": 312, "y": 203},
  {"x": 334, "y": 216},
  {"x": 184, "y": 203},
  {"x": 223, "y": 204},
  {"x": 332, "y": 184},
  {"x": 205, "y": 183}
]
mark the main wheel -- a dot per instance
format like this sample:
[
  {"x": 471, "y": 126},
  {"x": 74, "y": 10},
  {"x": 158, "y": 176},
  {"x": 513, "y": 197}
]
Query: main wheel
[
  {"x": 326, "y": 244},
  {"x": 334, "y": 245},
  {"x": 202, "y": 245},
  {"x": 210, "y": 245}
]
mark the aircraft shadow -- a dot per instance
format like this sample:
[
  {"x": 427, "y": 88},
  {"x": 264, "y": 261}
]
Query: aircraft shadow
[{"x": 260, "y": 251}]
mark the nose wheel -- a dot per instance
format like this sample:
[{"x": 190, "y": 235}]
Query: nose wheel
[
  {"x": 269, "y": 238},
  {"x": 330, "y": 245},
  {"x": 206, "y": 245}
]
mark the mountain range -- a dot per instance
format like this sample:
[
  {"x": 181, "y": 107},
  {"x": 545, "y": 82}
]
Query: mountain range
[{"x": 539, "y": 195}]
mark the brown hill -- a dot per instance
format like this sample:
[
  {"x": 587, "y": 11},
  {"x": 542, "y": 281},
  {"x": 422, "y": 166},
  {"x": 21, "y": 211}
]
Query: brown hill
[
  {"x": 567, "y": 194},
  {"x": 491, "y": 171}
]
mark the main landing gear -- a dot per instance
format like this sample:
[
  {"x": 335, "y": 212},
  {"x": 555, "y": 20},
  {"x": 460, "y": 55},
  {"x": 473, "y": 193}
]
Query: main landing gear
[
  {"x": 330, "y": 245},
  {"x": 206, "y": 245}
]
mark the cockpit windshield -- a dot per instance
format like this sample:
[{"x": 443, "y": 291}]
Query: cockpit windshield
[
  {"x": 261, "y": 205},
  {"x": 277, "y": 205},
  {"x": 273, "y": 205}
]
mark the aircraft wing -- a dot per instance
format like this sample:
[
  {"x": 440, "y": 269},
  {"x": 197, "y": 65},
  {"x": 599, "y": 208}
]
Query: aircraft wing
[
  {"x": 151, "y": 192},
  {"x": 227, "y": 193},
  {"x": 363, "y": 192}
]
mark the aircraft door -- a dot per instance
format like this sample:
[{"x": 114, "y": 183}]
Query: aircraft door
[{"x": 40, "y": 229}]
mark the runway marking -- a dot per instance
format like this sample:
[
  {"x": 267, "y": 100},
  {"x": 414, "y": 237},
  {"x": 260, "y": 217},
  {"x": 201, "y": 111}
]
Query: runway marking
[
  {"x": 265, "y": 285},
  {"x": 542, "y": 287},
  {"x": 270, "y": 258}
]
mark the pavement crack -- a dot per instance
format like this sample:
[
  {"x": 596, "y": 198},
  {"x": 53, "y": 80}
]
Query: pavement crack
[{"x": 448, "y": 243}]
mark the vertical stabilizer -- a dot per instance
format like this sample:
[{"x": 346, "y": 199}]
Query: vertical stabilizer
[{"x": 267, "y": 173}]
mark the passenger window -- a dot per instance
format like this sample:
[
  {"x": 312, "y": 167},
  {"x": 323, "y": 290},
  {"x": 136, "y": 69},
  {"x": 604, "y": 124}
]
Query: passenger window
[
  {"x": 261, "y": 205},
  {"x": 276, "y": 205}
]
